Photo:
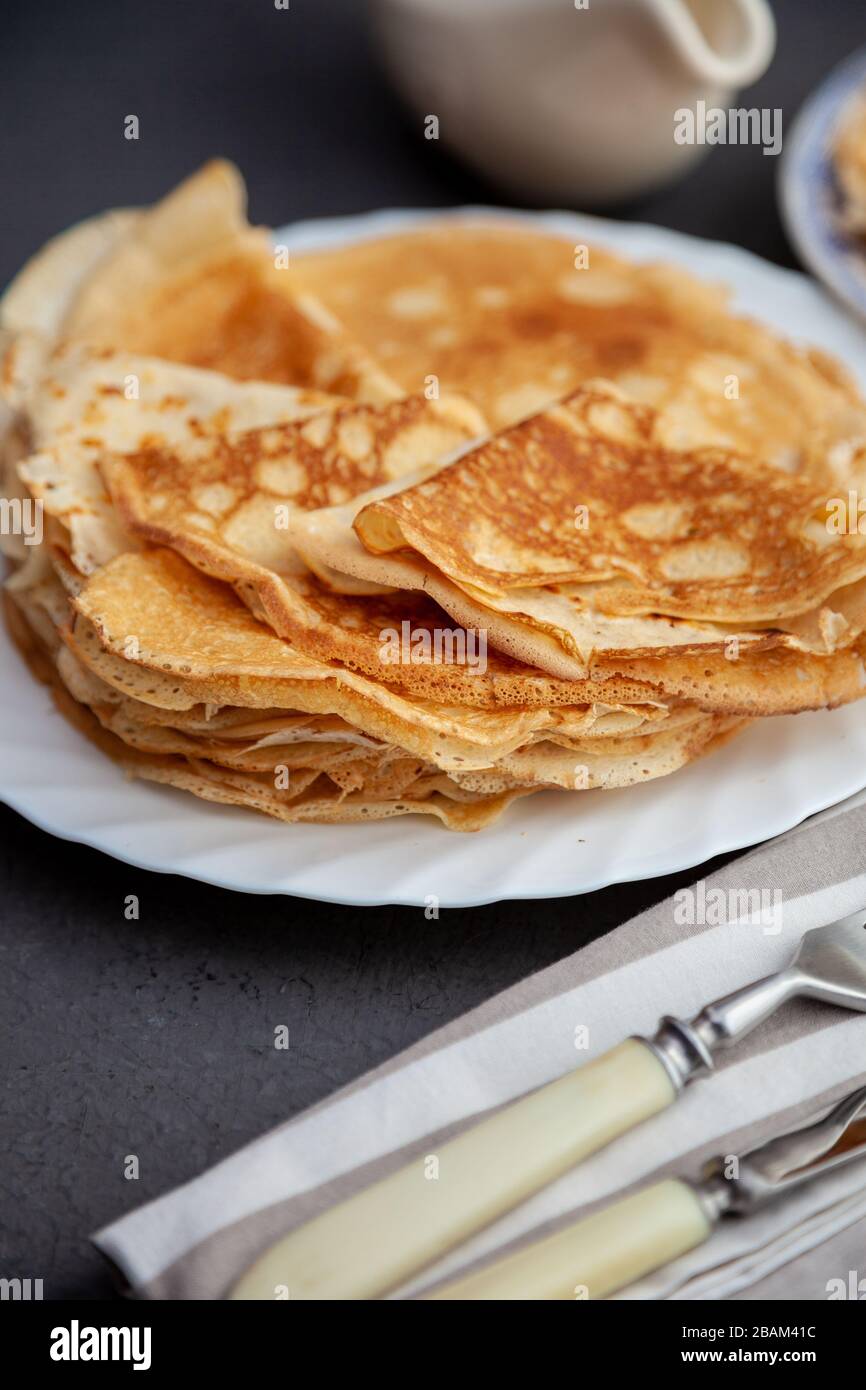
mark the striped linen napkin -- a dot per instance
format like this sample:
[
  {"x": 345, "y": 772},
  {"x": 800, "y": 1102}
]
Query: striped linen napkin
[{"x": 197, "y": 1240}]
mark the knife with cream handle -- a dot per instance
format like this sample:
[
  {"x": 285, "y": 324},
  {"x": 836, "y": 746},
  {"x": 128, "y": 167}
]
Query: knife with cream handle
[
  {"x": 375, "y": 1240},
  {"x": 613, "y": 1247}
]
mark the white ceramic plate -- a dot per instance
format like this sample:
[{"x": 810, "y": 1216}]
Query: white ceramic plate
[
  {"x": 808, "y": 192},
  {"x": 552, "y": 844}
]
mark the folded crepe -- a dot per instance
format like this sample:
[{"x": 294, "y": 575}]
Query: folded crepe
[
  {"x": 575, "y": 518},
  {"x": 82, "y": 403},
  {"x": 516, "y": 317},
  {"x": 77, "y": 401},
  {"x": 189, "y": 280},
  {"x": 493, "y": 537}
]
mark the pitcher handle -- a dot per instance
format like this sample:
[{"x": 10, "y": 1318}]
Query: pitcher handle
[{"x": 752, "y": 23}]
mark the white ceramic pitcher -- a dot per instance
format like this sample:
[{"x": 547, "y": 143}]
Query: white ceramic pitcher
[{"x": 567, "y": 104}]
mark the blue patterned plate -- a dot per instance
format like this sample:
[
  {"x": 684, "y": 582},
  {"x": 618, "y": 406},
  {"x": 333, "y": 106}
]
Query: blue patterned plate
[{"x": 809, "y": 196}]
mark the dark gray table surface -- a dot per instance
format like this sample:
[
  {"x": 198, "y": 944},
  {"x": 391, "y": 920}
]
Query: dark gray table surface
[{"x": 155, "y": 1037}]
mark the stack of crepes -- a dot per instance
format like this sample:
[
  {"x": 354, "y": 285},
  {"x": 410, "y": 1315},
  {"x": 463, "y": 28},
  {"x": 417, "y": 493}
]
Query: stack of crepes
[{"x": 422, "y": 524}]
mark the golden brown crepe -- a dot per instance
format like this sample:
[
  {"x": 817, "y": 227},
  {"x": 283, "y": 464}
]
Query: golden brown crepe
[
  {"x": 500, "y": 311},
  {"x": 581, "y": 498},
  {"x": 192, "y": 282}
]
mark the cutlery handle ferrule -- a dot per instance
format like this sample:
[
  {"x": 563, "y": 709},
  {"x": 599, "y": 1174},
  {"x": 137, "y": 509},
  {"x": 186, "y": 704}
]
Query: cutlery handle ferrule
[
  {"x": 685, "y": 1047},
  {"x": 681, "y": 1050}
]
